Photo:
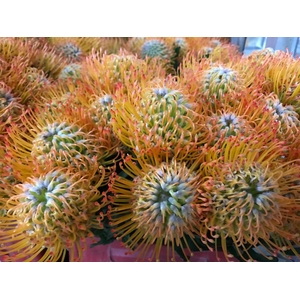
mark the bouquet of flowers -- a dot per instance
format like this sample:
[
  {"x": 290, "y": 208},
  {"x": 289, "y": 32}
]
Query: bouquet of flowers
[{"x": 180, "y": 145}]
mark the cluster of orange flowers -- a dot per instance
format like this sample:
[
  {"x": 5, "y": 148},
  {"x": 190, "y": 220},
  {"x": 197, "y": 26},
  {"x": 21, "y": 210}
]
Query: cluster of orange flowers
[{"x": 181, "y": 143}]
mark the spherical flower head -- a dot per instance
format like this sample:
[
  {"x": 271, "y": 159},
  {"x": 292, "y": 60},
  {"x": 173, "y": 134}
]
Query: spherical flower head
[
  {"x": 54, "y": 211},
  {"x": 164, "y": 198},
  {"x": 154, "y": 48},
  {"x": 226, "y": 125},
  {"x": 62, "y": 138},
  {"x": 166, "y": 113},
  {"x": 115, "y": 67},
  {"x": 230, "y": 123},
  {"x": 260, "y": 55},
  {"x": 286, "y": 116},
  {"x": 157, "y": 117},
  {"x": 219, "y": 80},
  {"x": 70, "y": 71},
  {"x": 246, "y": 184},
  {"x": 282, "y": 112},
  {"x": 70, "y": 51},
  {"x": 157, "y": 94},
  {"x": 244, "y": 205},
  {"x": 159, "y": 206},
  {"x": 10, "y": 108}
]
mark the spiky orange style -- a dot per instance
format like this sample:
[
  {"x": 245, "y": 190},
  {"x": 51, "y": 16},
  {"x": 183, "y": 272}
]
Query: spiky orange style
[
  {"x": 247, "y": 187},
  {"x": 10, "y": 109},
  {"x": 49, "y": 214},
  {"x": 60, "y": 138},
  {"x": 48, "y": 60},
  {"x": 13, "y": 47},
  {"x": 157, "y": 203},
  {"x": 286, "y": 117},
  {"x": 210, "y": 81},
  {"x": 157, "y": 116},
  {"x": 107, "y": 73},
  {"x": 282, "y": 77},
  {"x": 242, "y": 113}
]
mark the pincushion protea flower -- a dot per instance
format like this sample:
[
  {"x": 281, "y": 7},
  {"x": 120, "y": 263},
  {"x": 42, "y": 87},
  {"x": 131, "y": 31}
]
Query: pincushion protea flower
[
  {"x": 108, "y": 73},
  {"x": 10, "y": 108},
  {"x": 68, "y": 47},
  {"x": 48, "y": 215},
  {"x": 60, "y": 138},
  {"x": 157, "y": 203},
  {"x": 157, "y": 116},
  {"x": 282, "y": 77},
  {"x": 27, "y": 83},
  {"x": 220, "y": 80},
  {"x": 286, "y": 116},
  {"x": 246, "y": 185},
  {"x": 155, "y": 48},
  {"x": 239, "y": 113}
]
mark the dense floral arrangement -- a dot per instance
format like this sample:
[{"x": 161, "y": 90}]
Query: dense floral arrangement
[{"x": 175, "y": 143}]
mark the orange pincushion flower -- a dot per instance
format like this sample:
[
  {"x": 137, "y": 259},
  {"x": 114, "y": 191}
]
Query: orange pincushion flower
[
  {"x": 60, "y": 138},
  {"x": 240, "y": 113},
  {"x": 49, "y": 214},
  {"x": 10, "y": 109},
  {"x": 107, "y": 73},
  {"x": 158, "y": 203},
  {"x": 282, "y": 77},
  {"x": 158, "y": 116},
  {"x": 247, "y": 187},
  {"x": 286, "y": 117}
]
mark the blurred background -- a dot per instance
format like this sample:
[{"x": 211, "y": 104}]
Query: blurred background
[{"x": 249, "y": 44}]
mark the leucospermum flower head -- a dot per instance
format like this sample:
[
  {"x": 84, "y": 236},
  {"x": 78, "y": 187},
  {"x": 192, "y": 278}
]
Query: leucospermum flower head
[
  {"x": 282, "y": 77},
  {"x": 157, "y": 116},
  {"x": 155, "y": 48},
  {"x": 108, "y": 73},
  {"x": 49, "y": 214},
  {"x": 286, "y": 116},
  {"x": 246, "y": 185},
  {"x": 158, "y": 204},
  {"x": 10, "y": 108},
  {"x": 61, "y": 138},
  {"x": 69, "y": 48},
  {"x": 239, "y": 113},
  {"x": 220, "y": 80}
]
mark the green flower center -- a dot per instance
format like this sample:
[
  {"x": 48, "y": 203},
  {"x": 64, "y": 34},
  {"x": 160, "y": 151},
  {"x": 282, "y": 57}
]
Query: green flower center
[
  {"x": 5, "y": 99},
  {"x": 229, "y": 123},
  {"x": 154, "y": 48},
  {"x": 70, "y": 50},
  {"x": 246, "y": 196},
  {"x": 219, "y": 80},
  {"x": 60, "y": 137},
  {"x": 164, "y": 199}
]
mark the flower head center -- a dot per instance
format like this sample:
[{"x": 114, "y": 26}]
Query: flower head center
[{"x": 164, "y": 199}]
